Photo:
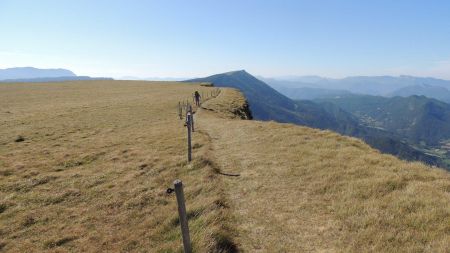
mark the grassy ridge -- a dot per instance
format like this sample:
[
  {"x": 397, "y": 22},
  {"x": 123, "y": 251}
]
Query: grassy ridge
[
  {"x": 92, "y": 172},
  {"x": 267, "y": 104},
  {"x": 302, "y": 189},
  {"x": 96, "y": 158}
]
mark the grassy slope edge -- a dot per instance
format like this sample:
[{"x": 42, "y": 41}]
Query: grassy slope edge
[
  {"x": 302, "y": 189},
  {"x": 97, "y": 156}
]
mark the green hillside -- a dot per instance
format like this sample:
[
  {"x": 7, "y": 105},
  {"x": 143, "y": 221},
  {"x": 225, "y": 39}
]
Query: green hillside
[
  {"x": 415, "y": 118},
  {"x": 422, "y": 124}
]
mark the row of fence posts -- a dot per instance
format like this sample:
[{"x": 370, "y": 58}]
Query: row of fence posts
[{"x": 178, "y": 184}]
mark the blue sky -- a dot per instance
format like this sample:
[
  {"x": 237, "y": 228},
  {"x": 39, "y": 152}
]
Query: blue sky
[{"x": 179, "y": 38}]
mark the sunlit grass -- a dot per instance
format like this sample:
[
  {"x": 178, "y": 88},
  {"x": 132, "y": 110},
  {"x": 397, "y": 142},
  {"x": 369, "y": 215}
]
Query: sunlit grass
[
  {"x": 303, "y": 190},
  {"x": 97, "y": 157},
  {"x": 92, "y": 171}
]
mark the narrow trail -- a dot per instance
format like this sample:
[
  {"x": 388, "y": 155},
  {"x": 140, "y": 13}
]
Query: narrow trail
[
  {"x": 305, "y": 190},
  {"x": 270, "y": 215}
]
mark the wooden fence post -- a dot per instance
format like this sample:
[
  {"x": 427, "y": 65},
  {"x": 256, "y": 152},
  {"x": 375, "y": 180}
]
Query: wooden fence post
[
  {"x": 183, "y": 216},
  {"x": 192, "y": 118},
  {"x": 188, "y": 125},
  {"x": 180, "y": 110}
]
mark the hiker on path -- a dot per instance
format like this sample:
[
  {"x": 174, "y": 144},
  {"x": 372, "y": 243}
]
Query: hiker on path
[{"x": 197, "y": 98}]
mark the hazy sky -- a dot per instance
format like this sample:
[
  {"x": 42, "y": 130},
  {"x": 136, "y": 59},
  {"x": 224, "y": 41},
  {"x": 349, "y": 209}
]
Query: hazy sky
[{"x": 190, "y": 38}]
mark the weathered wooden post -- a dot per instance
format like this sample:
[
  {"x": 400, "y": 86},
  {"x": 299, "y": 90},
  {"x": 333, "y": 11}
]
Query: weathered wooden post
[
  {"x": 180, "y": 110},
  {"x": 183, "y": 216},
  {"x": 188, "y": 125},
  {"x": 192, "y": 118}
]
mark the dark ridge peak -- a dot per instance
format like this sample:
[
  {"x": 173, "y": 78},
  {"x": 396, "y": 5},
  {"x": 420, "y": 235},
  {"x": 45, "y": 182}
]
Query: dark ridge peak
[
  {"x": 233, "y": 76},
  {"x": 236, "y": 72}
]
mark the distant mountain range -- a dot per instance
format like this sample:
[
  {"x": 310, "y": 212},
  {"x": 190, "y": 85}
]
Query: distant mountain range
[
  {"x": 268, "y": 104},
  {"x": 308, "y": 93},
  {"x": 430, "y": 91},
  {"x": 30, "y": 74},
  {"x": 312, "y": 87}
]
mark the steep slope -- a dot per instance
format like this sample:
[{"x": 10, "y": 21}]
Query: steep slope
[
  {"x": 306, "y": 190},
  {"x": 267, "y": 104}
]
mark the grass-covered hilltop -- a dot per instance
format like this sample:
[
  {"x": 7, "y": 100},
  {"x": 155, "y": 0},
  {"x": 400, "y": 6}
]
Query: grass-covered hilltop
[{"x": 85, "y": 165}]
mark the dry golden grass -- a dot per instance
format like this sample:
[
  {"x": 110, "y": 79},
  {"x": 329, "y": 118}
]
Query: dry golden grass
[
  {"x": 302, "y": 189},
  {"x": 97, "y": 158},
  {"x": 231, "y": 104},
  {"x": 94, "y": 166}
]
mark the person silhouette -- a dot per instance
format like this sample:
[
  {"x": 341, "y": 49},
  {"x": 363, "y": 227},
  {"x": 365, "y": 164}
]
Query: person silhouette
[{"x": 197, "y": 98}]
